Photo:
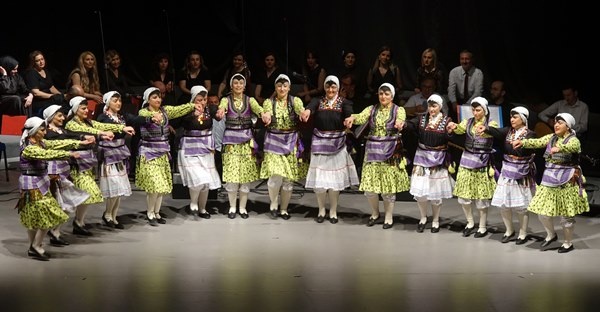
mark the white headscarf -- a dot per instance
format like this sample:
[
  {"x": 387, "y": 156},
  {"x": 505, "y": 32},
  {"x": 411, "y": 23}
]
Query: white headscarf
[
  {"x": 31, "y": 126},
  {"x": 331, "y": 78},
  {"x": 434, "y": 98},
  {"x": 50, "y": 111},
  {"x": 568, "y": 118},
  {"x": 283, "y": 76},
  {"x": 106, "y": 98},
  {"x": 75, "y": 102},
  {"x": 195, "y": 90},
  {"x": 234, "y": 76},
  {"x": 481, "y": 101},
  {"x": 523, "y": 113},
  {"x": 389, "y": 85},
  {"x": 147, "y": 95}
]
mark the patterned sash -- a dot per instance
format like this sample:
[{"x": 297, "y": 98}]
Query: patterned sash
[
  {"x": 112, "y": 152},
  {"x": 429, "y": 158},
  {"x": 86, "y": 161},
  {"x": 517, "y": 168},
  {"x": 380, "y": 148},
  {"x": 556, "y": 175},
  {"x": 327, "y": 142},
  {"x": 197, "y": 142},
  {"x": 280, "y": 142},
  {"x": 59, "y": 167}
]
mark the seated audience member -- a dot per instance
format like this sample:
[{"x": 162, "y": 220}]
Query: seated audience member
[
  {"x": 417, "y": 103},
  {"x": 238, "y": 66},
  {"x": 431, "y": 68},
  {"x": 163, "y": 78},
  {"x": 119, "y": 81},
  {"x": 465, "y": 82},
  {"x": 313, "y": 77},
  {"x": 384, "y": 70},
  {"x": 194, "y": 73},
  {"x": 15, "y": 97},
  {"x": 39, "y": 81},
  {"x": 349, "y": 66},
  {"x": 569, "y": 104},
  {"x": 85, "y": 74},
  {"x": 265, "y": 78}
]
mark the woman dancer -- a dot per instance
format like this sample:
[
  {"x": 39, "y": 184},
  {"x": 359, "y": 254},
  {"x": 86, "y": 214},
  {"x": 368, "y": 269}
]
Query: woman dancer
[
  {"x": 384, "y": 169},
  {"x": 561, "y": 192},
  {"x": 283, "y": 146}
]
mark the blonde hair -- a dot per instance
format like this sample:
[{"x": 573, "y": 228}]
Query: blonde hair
[{"x": 90, "y": 82}]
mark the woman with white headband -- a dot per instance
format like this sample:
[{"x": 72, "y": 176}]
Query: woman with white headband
[
  {"x": 384, "y": 169},
  {"x": 475, "y": 180},
  {"x": 430, "y": 180},
  {"x": 516, "y": 184},
  {"x": 113, "y": 156},
  {"x": 331, "y": 168},
  {"x": 82, "y": 171},
  {"x": 283, "y": 146},
  {"x": 240, "y": 167},
  {"x": 59, "y": 170},
  {"x": 38, "y": 209},
  {"x": 153, "y": 170},
  {"x": 561, "y": 192},
  {"x": 196, "y": 160}
]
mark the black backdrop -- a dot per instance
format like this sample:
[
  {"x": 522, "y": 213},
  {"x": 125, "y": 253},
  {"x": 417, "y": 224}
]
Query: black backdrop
[{"x": 534, "y": 47}]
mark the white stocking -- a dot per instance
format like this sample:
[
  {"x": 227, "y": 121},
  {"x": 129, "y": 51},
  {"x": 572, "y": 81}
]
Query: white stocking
[
  {"x": 273, "y": 196},
  {"x": 389, "y": 211},
  {"x": 482, "y": 220},
  {"x": 523, "y": 223},
  {"x": 80, "y": 212},
  {"x": 321, "y": 198},
  {"x": 243, "y": 201},
  {"x": 374, "y": 204},
  {"x": 436, "y": 214},
  {"x": 285, "y": 200},
  {"x": 194, "y": 194},
  {"x": 423, "y": 210},
  {"x": 150, "y": 200},
  {"x": 507, "y": 218},
  {"x": 333, "y": 203},
  {"x": 468, "y": 210},
  {"x": 232, "y": 201},
  {"x": 115, "y": 209},
  {"x": 548, "y": 223},
  {"x": 157, "y": 205},
  {"x": 202, "y": 199}
]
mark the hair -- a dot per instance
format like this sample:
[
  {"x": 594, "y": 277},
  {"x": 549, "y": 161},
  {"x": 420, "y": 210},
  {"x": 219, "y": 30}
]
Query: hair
[
  {"x": 32, "y": 56},
  {"x": 433, "y": 53},
  {"x": 385, "y": 89},
  {"x": 109, "y": 55},
  {"x": 186, "y": 65},
  {"x": 90, "y": 81},
  {"x": 392, "y": 65}
]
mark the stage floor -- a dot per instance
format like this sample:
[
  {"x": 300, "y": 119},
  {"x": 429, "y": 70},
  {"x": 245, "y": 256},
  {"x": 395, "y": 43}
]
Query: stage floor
[{"x": 260, "y": 264}]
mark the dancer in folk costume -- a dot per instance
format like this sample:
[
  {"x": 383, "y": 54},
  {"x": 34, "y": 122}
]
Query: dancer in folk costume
[
  {"x": 331, "y": 168},
  {"x": 240, "y": 166},
  {"x": 384, "y": 168},
  {"x": 283, "y": 149},
  {"x": 561, "y": 193}
]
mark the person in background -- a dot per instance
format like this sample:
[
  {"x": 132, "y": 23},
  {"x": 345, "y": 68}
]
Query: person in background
[
  {"x": 465, "y": 82},
  {"x": 196, "y": 159},
  {"x": 265, "y": 78},
  {"x": 85, "y": 74},
  {"x": 561, "y": 192},
  {"x": 569, "y": 104},
  {"x": 15, "y": 96},
  {"x": 475, "y": 182},
  {"x": 39, "y": 81},
  {"x": 38, "y": 209},
  {"x": 384, "y": 171},
  {"x": 163, "y": 78},
  {"x": 153, "y": 172},
  {"x": 313, "y": 77},
  {"x": 384, "y": 70},
  {"x": 238, "y": 66},
  {"x": 118, "y": 81},
  {"x": 431, "y": 69},
  {"x": 516, "y": 184},
  {"x": 430, "y": 180},
  {"x": 283, "y": 147},
  {"x": 331, "y": 167},
  {"x": 194, "y": 73}
]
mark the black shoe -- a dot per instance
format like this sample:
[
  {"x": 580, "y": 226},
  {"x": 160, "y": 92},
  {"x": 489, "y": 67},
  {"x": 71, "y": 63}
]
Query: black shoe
[
  {"x": 420, "y": 227},
  {"x": 231, "y": 215},
  {"x": 244, "y": 215},
  {"x": 153, "y": 222},
  {"x": 546, "y": 243},
  {"x": 467, "y": 231},
  {"x": 320, "y": 219},
  {"x": 58, "y": 241},
  {"x": 79, "y": 230},
  {"x": 480, "y": 234},
  {"x": 204, "y": 215},
  {"x": 333, "y": 220},
  {"x": 520, "y": 241},
  {"x": 161, "y": 220},
  {"x": 274, "y": 214},
  {"x": 36, "y": 255},
  {"x": 372, "y": 221},
  {"x": 119, "y": 226},
  {"x": 387, "y": 225},
  {"x": 506, "y": 238},
  {"x": 435, "y": 229},
  {"x": 107, "y": 222},
  {"x": 285, "y": 216},
  {"x": 562, "y": 249}
]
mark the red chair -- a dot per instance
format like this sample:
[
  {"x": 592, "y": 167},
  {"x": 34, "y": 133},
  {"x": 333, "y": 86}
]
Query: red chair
[{"x": 12, "y": 125}]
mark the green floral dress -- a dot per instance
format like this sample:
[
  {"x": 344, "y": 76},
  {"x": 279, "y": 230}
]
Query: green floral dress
[
  {"x": 288, "y": 166},
  {"x": 239, "y": 160},
  {"x": 382, "y": 177},
  {"x": 154, "y": 176},
  {"x": 566, "y": 200}
]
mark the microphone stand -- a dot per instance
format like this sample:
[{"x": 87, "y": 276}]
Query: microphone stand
[
  {"x": 170, "y": 46},
  {"x": 103, "y": 48}
]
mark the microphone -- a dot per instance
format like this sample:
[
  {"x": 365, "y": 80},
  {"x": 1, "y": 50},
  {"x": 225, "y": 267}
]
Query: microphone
[{"x": 299, "y": 76}]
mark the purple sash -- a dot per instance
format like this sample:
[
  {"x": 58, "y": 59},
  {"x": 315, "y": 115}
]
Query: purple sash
[
  {"x": 28, "y": 182},
  {"x": 112, "y": 152},
  {"x": 429, "y": 158},
  {"x": 154, "y": 149},
  {"x": 237, "y": 136},
  {"x": 328, "y": 142},
  {"x": 280, "y": 142},
  {"x": 87, "y": 160},
  {"x": 474, "y": 161},
  {"x": 380, "y": 149},
  {"x": 59, "y": 167},
  {"x": 557, "y": 175},
  {"x": 197, "y": 142},
  {"x": 516, "y": 168}
]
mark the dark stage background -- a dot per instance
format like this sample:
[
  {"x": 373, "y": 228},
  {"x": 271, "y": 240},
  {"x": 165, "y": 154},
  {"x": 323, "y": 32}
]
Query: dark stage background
[{"x": 534, "y": 47}]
